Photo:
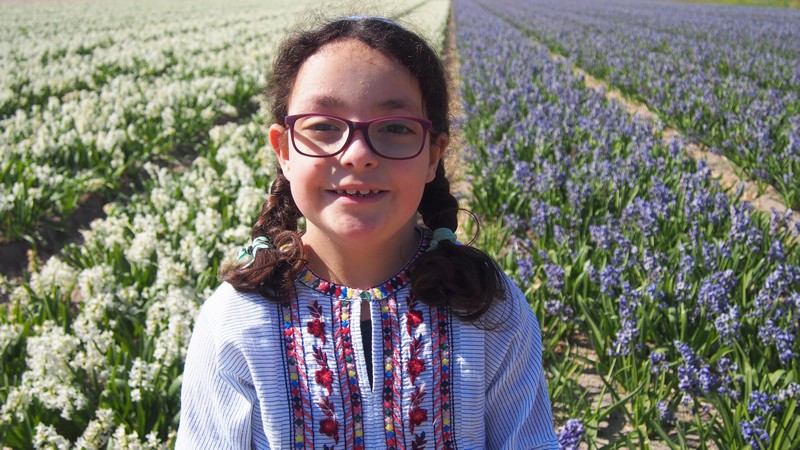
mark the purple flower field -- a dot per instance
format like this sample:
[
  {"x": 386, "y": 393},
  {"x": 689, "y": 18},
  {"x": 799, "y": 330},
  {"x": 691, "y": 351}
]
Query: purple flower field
[
  {"x": 729, "y": 77},
  {"x": 687, "y": 300}
]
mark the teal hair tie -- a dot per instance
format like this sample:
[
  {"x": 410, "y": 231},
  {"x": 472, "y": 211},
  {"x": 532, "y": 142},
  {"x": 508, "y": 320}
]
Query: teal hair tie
[
  {"x": 259, "y": 243},
  {"x": 439, "y": 235}
]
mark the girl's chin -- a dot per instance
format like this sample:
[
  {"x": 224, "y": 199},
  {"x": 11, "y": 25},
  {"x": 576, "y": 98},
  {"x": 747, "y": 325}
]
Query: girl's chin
[{"x": 361, "y": 230}]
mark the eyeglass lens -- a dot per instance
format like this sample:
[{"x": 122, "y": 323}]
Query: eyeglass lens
[{"x": 390, "y": 138}]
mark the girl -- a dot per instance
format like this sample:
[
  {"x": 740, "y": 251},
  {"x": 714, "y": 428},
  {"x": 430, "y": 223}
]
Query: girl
[{"x": 365, "y": 329}]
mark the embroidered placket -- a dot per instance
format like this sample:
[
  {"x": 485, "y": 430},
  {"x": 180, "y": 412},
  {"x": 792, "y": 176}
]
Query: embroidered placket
[
  {"x": 302, "y": 431},
  {"x": 415, "y": 365}
]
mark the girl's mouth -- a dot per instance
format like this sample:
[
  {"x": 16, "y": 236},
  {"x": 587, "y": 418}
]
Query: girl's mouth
[{"x": 357, "y": 193}]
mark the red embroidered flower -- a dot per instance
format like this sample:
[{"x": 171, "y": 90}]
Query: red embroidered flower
[
  {"x": 413, "y": 319},
  {"x": 330, "y": 427},
  {"x": 324, "y": 376},
  {"x": 417, "y": 416},
  {"x": 415, "y": 367},
  {"x": 317, "y": 328}
]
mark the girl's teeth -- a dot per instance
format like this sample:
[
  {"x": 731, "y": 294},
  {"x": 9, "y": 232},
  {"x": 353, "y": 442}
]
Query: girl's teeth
[{"x": 356, "y": 192}]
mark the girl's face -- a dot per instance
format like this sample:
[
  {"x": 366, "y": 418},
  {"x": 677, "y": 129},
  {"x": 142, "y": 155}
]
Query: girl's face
[{"x": 350, "y": 80}]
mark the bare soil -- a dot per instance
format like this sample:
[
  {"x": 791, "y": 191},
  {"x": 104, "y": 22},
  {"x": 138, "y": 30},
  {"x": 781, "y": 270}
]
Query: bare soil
[
  {"x": 454, "y": 158},
  {"x": 16, "y": 257}
]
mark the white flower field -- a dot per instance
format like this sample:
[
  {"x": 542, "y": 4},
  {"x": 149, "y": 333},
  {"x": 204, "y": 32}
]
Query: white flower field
[
  {"x": 97, "y": 97},
  {"x": 670, "y": 307}
]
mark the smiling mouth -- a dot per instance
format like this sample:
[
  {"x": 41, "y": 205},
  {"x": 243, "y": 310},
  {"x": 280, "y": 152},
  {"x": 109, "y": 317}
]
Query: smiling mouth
[{"x": 357, "y": 193}]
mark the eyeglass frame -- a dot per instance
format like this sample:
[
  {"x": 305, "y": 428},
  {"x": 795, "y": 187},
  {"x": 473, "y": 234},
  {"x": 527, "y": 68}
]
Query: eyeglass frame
[{"x": 354, "y": 125}]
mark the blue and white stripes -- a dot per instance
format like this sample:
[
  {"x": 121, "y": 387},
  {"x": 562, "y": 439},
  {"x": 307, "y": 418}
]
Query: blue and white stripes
[{"x": 238, "y": 391}]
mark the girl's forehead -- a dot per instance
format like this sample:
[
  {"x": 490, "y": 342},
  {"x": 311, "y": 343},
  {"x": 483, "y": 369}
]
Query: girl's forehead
[
  {"x": 349, "y": 71},
  {"x": 350, "y": 54},
  {"x": 347, "y": 48}
]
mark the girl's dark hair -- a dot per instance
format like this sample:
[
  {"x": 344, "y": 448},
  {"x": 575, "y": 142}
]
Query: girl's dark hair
[{"x": 458, "y": 276}]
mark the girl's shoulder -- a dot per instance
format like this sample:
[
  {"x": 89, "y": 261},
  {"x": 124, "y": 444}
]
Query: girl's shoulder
[
  {"x": 227, "y": 298},
  {"x": 510, "y": 309},
  {"x": 513, "y": 339},
  {"x": 229, "y": 311}
]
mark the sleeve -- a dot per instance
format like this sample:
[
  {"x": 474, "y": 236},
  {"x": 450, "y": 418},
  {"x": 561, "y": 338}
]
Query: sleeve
[
  {"x": 518, "y": 413},
  {"x": 217, "y": 398}
]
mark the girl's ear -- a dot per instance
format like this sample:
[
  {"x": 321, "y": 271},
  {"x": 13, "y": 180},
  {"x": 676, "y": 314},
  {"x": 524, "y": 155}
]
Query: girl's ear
[
  {"x": 438, "y": 146},
  {"x": 279, "y": 139}
]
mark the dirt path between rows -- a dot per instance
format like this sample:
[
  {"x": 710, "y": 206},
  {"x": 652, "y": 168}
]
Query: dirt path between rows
[{"x": 455, "y": 158}]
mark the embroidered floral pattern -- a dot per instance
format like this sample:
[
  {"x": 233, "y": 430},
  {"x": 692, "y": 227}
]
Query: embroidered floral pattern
[
  {"x": 392, "y": 408},
  {"x": 316, "y": 326},
  {"x": 443, "y": 388},
  {"x": 413, "y": 319},
  {"x": 323, "y": 375},
  {"x": 415, "y": 366},
  {"x": 414, "y": 397},
  {"x": 328, "y": 426},
  {"x": 298, "y": 384},
  {"x": 419, "y": 442},
  {"x": 417, "y": 415},
  {"x": 347, "y": 371}
]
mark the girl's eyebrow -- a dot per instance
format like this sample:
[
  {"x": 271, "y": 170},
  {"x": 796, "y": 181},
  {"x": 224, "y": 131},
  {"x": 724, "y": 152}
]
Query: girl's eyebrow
[
  {"x": 326, "y": 101},
  {"x": 395, "y": 104},
  {"x": 330, "y": 101}
]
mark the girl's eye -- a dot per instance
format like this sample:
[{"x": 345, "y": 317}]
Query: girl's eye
[
  {"x": 322, "y": 125},
  {"x": 397, "y": 128}
]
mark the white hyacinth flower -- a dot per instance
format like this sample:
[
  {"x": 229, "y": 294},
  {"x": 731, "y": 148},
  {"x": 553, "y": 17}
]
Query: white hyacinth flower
[
  {"x": 49, "y": 377},
  {"x": 96, "y": 434},
  {"x": 141, "y": 377},
  {"x": 46, "y": 437}
]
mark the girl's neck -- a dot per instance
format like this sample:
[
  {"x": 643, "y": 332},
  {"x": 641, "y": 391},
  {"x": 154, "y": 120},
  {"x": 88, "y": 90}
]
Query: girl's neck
[{"x": 360, "y": 266}]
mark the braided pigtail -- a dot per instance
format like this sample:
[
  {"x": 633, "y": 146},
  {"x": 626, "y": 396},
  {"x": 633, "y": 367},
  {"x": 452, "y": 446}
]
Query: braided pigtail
[
  {"x": 459, "y": 276},
  {"x": 272, "y": 270}
]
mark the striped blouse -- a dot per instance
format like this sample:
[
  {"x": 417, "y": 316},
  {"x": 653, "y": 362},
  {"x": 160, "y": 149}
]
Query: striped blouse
[{"x": 277, "y": 376}]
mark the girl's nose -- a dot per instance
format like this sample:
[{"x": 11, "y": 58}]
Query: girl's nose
[{"x": 357, "y": 154}]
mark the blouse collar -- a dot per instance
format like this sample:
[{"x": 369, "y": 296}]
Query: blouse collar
[{"x": 308, "y": 278}]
